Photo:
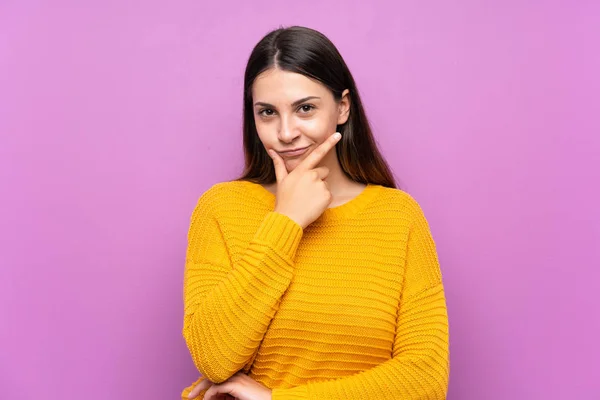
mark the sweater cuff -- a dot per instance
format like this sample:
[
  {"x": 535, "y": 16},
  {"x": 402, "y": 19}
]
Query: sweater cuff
[
  {"x": 293, "y": 393},
  {"x": 281, "y": 232}
]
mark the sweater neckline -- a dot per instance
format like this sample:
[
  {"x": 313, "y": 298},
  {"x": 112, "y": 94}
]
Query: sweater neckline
[{"x": 343, "y": 211}]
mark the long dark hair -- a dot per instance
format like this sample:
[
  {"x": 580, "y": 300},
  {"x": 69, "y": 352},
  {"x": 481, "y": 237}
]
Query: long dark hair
[{"x": 310, "y": 53}]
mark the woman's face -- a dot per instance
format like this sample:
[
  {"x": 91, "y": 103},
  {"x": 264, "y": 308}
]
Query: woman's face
[{"x": 292, "y": 111}]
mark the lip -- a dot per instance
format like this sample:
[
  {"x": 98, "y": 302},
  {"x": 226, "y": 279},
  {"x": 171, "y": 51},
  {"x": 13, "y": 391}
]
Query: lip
[{"x": 293, "y": 152}]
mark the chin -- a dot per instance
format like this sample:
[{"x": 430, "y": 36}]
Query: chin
[{"x": 291, "y": 164}]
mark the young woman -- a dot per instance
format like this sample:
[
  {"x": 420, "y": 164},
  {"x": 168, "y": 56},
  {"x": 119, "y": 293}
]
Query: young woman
[{"x": 312, "y": 276}]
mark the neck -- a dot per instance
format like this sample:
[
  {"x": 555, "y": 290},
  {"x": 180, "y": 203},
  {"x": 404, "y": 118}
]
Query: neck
[{"x": 338, "y": 182}]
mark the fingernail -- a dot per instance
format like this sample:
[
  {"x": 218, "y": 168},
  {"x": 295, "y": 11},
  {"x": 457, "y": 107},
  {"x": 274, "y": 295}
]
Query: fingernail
[{"x": 337, "y": 135}]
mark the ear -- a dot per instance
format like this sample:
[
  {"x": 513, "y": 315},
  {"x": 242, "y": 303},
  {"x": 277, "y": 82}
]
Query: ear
[{"x": 344, "y": 107}]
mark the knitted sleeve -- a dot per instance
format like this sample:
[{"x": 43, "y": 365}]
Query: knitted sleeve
[
  {"x": 228, "y": 306},
  {"x": 419, "y": 363}
]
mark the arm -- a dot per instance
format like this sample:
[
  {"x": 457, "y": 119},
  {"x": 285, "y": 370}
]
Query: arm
[
  {"x": 228, "y": 306},
  {"x": 419, "y": 367}
]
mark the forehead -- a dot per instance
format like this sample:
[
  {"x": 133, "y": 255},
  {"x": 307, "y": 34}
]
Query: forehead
[{"x": 275, "y": 85}]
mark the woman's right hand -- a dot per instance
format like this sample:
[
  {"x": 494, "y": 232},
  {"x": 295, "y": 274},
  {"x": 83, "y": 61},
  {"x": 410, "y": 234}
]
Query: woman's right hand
[{"x": 302, "y": 194}]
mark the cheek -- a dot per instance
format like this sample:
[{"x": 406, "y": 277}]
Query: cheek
[
  {"x": 317, "y": 128},
  {"x": 266, "y": 132}
]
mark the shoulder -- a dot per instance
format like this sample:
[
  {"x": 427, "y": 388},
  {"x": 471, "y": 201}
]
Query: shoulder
[
  {"x": 400, "y": 208},
  {"x": 222, "y": 190},
  {"x": 406, "y": 213},
  {"x": 398, "y": 201},
  {"x": 219, "y": 196}
]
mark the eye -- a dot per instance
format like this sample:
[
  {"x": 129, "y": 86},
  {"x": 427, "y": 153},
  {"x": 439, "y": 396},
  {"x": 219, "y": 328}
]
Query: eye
[
  {"x": 266, "y": 112},
  {"x": 306, "y": 108}
]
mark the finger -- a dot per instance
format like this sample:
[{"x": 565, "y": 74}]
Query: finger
[
  {"x": 280, "y": 169},
  {"x": 214, "y": 391},
  {"x": 317, "y": 154},
  {"x": 322, "y": 172},
  {"x": 198, "y": 388}
]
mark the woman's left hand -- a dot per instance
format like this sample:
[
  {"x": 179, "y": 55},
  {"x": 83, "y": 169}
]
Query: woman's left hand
[{"x": 240, "y": 386}]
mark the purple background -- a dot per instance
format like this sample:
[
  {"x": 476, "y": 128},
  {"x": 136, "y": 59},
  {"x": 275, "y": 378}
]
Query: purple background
[{"x": 115, "y": 117}]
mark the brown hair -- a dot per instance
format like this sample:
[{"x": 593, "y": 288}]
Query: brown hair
[{"x": 310, "y": 53}]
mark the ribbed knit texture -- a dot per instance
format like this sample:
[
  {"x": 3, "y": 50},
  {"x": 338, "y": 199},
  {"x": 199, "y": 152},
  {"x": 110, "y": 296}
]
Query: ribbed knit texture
[{"x": 352, "y": 307}]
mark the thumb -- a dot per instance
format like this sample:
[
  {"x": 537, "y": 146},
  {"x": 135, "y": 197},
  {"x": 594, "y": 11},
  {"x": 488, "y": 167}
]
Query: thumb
[{"x": 279, "y": 164}]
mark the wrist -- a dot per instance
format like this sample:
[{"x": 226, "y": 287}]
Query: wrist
[{"x": 291, "y": 216}]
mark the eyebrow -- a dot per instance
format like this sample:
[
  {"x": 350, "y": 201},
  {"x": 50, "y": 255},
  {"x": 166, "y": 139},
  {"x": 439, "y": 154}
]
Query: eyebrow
[{"x": 294, "y": 104}]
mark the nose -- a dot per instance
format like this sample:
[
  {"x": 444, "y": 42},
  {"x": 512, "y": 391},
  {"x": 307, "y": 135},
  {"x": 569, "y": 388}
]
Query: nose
[{"x": 287, "y": 130}]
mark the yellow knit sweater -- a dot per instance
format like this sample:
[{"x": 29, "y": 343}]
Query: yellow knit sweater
[{"x": 351, "y": 307}]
